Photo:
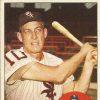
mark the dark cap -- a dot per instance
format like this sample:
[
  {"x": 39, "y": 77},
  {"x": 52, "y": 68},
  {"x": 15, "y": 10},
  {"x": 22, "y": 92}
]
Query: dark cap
[{"x": 28, "y": 17}]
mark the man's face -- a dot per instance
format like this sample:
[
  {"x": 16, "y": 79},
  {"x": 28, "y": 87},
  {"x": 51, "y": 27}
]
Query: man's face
[{"x": 33, "y": 35}]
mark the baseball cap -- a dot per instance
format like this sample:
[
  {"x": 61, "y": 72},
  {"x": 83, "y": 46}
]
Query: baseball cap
[{"x": 29, "y": 16}]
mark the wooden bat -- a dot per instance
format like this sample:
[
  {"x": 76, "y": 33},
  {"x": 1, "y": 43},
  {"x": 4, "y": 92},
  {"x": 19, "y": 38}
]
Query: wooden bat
[
  {"x": 68, "y": 34},
  {"x": 65, "y": 32}
]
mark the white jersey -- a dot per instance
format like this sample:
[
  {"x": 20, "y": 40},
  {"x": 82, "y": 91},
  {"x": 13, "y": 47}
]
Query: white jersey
[{"x": 30, "y": 89}]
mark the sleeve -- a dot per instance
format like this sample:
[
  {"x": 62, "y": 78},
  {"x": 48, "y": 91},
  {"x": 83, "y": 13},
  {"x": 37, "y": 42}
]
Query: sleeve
[
  {"x": 10, "y": 69},
  {"x": 69, "y": 80}
]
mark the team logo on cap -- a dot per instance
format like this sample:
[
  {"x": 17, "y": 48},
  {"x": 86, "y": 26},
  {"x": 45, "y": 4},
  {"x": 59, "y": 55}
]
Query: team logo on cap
[{"x": 30, "y": 14}]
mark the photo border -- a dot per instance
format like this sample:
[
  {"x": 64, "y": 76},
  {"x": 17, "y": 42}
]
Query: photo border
[{"x": 32, "y": 1}]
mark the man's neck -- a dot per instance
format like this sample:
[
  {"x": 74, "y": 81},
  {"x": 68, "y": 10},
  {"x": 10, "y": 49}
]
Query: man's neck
[{"x": 39, "y": 55}]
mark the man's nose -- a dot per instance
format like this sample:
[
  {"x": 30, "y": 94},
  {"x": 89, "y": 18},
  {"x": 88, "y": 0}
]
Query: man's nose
[{"x": 34, "y": 35}]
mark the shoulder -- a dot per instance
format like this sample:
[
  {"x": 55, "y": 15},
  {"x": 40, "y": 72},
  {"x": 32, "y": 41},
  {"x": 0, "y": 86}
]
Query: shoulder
[
  {"x": 53, "y": 59},
  {"x": 51, "y": 56},
  {"x": 14, "y": 53},
  {"x": 10, "y": 54},
  {"x": 13, "y": 50}
]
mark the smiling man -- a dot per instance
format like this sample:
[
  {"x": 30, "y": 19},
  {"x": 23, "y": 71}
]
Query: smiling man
[{"x": 33, "y": 74}]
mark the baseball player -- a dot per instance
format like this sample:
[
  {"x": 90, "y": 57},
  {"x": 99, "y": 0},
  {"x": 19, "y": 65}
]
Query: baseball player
[{"x": 33, "y": 74}]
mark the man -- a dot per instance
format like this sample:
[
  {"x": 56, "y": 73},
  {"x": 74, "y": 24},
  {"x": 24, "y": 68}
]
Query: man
[{"x": 32, "y": 74}]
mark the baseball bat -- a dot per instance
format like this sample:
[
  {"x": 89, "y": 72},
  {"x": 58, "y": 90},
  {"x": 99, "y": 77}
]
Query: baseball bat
[
  {"x": 65, "y": 32},
  {"x": 68, "y": 34}
]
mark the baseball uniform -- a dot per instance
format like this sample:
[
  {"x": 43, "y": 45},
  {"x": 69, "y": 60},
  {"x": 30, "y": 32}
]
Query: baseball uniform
[{"x": 30, "y": 89}]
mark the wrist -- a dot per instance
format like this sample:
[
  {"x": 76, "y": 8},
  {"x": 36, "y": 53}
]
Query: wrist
[
  {"x": 82, "y": 54},
  {"x": 88, "y": 65}
]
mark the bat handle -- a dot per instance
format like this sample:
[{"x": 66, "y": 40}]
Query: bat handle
[{"x": 79, "y": 43}]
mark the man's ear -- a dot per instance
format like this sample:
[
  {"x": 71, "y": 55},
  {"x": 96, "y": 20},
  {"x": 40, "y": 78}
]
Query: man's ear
[
  {"x": 45, "y": 32},
  {"x": 19, "y": 36}
]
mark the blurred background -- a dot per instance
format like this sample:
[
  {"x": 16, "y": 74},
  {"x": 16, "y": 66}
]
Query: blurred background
[{"x": 79, "y": 18}]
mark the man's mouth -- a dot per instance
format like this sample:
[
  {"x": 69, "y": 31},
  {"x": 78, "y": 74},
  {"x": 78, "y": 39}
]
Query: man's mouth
[{"x": 34, "y": 43}]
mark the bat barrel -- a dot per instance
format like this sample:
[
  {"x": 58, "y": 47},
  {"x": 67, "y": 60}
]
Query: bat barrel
[{"x": 65, "y": 32}]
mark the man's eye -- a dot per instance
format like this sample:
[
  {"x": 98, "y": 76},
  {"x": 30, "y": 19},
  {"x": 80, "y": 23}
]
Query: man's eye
[
  {"x": 27, "y": 31},
  {"x": 39, "y": 29}
]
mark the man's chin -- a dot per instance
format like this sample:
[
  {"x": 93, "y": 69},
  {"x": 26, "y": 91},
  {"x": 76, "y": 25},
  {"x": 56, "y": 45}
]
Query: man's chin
[
  {"x": 33, "y": 50},
  {"x": 36, "y": 51}
]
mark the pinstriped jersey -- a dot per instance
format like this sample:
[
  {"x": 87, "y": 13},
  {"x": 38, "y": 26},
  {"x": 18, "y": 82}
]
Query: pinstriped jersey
[{"x": 30, "y": 89}]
